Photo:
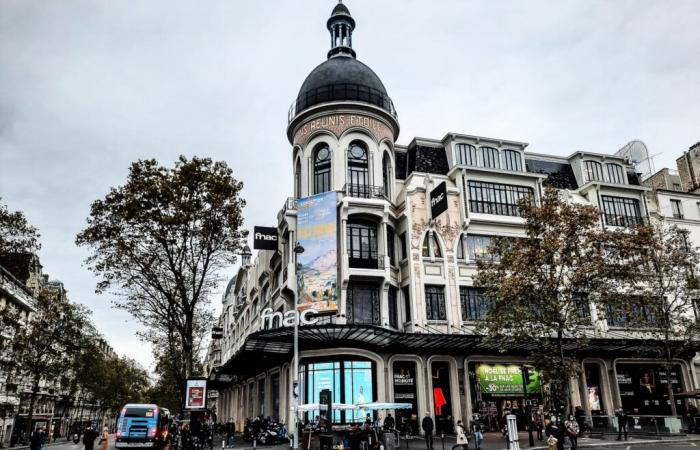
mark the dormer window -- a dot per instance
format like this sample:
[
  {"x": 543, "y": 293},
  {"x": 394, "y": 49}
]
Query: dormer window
[
  {"x": 489, "y": 158},
  {"x": 594, "y": 171},
  {"x": 512, "y": 160},
  {"x": 466, "y": 154},
  {"x": 615, "y": 173}
]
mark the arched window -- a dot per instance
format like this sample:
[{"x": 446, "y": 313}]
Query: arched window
[
  {"x": 615, "y": 173},
  {"x": 431, "y": 246},
  {"x": 512, "y": 160},
  {"x": 460, "y": 247},
  {"x": 297, "y": 179},
  {"x": 358, "y": 170},
  {"x": 466, "y": 154},
  {"x": 489, "y": 157},
  {"x": 594, "y": 171},
  {"x": 386, "y": 175},
  {"x": 322, "y": 168}
]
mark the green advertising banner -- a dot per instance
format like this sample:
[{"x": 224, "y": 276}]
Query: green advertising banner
[{"x": 498, "y": 379}]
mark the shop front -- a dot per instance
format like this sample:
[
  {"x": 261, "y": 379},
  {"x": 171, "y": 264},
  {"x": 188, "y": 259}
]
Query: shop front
[
  {"x": 499, "y": 389},
  {"x": 406, "y": 391},
  {"x": 643, "y": 388}
]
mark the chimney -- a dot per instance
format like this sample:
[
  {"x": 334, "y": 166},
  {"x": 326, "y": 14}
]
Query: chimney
[{"x": 689, "y": 168}]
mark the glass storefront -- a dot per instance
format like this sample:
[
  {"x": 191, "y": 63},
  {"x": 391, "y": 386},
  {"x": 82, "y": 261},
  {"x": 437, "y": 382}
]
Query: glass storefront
[
  {"x": 350, "y": 381},
  {"x": 405, "y": 391},
  {"x": 275, "y": 383},
  {"x": 442, "y": 400},
  {"x": 644, "y": 388}
]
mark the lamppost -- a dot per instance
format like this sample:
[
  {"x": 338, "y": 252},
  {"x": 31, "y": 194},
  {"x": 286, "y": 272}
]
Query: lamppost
[{"x": 298, "y": 249}]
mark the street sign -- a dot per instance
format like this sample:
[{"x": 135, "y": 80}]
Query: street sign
[
  {"x": 265, "y": 238},
  {"x": 438, "y": 200},
  {"x": 217, "y": 333}
]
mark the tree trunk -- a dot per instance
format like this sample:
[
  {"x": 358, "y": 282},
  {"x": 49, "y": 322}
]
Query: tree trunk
[
  {"x": 669, "y": 387},
  {"x": 565, "y": 375},
  {"x": 32, "y": 403}
]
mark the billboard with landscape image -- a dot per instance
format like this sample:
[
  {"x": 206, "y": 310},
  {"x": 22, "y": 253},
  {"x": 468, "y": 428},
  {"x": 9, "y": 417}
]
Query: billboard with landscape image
[{"x": 317, "y": 266}]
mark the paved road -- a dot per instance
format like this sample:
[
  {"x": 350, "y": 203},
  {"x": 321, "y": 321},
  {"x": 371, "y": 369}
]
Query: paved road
[{"x": 659, "y": 446}]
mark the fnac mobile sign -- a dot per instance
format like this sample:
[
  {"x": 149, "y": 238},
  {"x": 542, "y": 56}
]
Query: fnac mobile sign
[
  {"x": 317, "y": 266},
  {"x": 196, "y": 394}
]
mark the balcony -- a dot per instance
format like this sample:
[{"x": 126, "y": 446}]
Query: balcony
[
  {"x": 364, "y": 191},
  {"x": 617, "y": 220},
  {"x": 341, "y": 92},
  {"x": 376, "y": 263}
]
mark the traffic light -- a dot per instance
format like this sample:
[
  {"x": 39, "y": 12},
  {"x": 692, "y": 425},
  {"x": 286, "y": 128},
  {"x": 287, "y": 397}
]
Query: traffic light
[{"x": 526, "y": 375}]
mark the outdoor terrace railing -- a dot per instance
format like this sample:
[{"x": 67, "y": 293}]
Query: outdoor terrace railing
[
  {"x": 364, "y": 191},
  {"x": 341, "y": 92},
  {"x": 616, "y": 220}
]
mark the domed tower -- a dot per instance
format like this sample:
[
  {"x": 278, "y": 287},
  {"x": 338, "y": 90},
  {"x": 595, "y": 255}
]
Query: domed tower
[{"x": 343, "y": 124}]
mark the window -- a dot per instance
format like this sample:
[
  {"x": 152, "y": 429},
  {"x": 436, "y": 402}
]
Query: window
[
  {"x": 431, "y": 246},
  {"x": 621, "y": 211},
  {"x": 466, "y": 154},
  {"x": 639, "y": 315},
  {"x": 402, "y": 243},
  {"x": 594, "y": 171},
  {"x": 393, "y": 308},
  {"x": 489, "y": 157},
  {"x": 406, "y": 304},
  {"x": 358, "y": 171},
  {"x": 362, "y": 245},
  {"x": 363, "y": 304},
  {"x": 677, "y": 209},
  {"x": 460, "y": 247},
  {"x": 512, "y": 160},
  {"x": 390, "y": 241},
  {"x": 473, "y": 302},
  {"x": 322, "y": 169},
  {"x": 297, "y": 179},
  {"x": 479, "y": 248},
  {"x": 496, "y": 198},
  {"x": 583, "y": 307},
  {"x": 615, "y": 173},
  {"x": 435, "y": 302},
  {"x": 386, "y": 175}
]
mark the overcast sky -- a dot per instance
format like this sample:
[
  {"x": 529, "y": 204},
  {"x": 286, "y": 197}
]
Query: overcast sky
[{"x": 86, "y": 87}]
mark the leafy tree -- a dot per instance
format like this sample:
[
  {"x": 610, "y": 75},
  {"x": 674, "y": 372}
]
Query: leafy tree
[
  {"x": 160, "y": 241},
  {"x": 44, "y": 343},
  {"x": 17, "y": 235},
  {"x": 540, "y": 286},
  {"x": 656, "y": 269},
  {"x": 165, "y": 391}
]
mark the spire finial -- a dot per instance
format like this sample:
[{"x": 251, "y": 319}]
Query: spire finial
[{"x": 341, "y": 24}]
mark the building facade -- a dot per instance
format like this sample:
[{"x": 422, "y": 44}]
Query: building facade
[{"x": 401, "y": 322}]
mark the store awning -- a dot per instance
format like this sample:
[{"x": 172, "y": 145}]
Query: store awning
[{"x": 267, "y": 348}]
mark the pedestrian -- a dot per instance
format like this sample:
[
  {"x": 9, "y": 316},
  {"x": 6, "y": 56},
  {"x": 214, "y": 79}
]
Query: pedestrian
[
  {"x": 477, "y": 431},
  {"x": 539, "y": 426},
  {"x": 580, "y": 419},
  {"x": 572, "y": 430},
  {"x": 555, "y": 430},
  {"x": 462, "y": 440},
  {"x": 89, "y": 437},
  {"x": 104, "y": 439},
  {"x": 621, "y": 423},
  {"x": 230, "y": 431},
  {"x": 428, "y": 426},
  {"x": 389, "y": 423},
  {"x": 35, "y": 440}
]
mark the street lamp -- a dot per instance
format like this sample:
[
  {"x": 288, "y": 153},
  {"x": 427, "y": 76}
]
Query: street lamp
[{"x": 298, "y": 249}]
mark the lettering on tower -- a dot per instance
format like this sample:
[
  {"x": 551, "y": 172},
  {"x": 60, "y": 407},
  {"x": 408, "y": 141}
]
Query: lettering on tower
[{"x": 339, "y": 123}]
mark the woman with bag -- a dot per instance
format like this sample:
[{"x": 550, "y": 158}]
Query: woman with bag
[
  {"x": 572, "y": 430},
  {"x": 104, "y": 439},
  {"x": 462, "y": 440}
]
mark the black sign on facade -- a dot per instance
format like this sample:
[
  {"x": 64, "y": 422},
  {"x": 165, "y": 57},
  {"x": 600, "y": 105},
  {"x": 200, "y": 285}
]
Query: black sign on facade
[
  {"x": 438, "y": 200},
  {"x": 325, "y": 397},
  {"x": 265, "y": 238}
]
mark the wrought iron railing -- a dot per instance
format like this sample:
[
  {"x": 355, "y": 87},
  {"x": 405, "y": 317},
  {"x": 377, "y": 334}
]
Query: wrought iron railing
[
  {"x": 364, "y": 191},
  {"x": 341, "y": 92},
  {"x": 367, "y": 263},
  {"x": 617, "y": 220},
  {"x": 15, "y": 288}
]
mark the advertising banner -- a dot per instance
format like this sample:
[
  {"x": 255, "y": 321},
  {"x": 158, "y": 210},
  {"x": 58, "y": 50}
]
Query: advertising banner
[
  {"x": 438, "y": 200},
  {"x": 317, "y": 266},
  {"x": 498, "y": 379},
  {"x": 196, "y": 394}
]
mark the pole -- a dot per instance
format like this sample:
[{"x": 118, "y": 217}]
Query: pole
[
  {"x": 527, "y": 408},
  {"x": 295, "y": 366}
]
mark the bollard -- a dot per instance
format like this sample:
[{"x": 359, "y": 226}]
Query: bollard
[
  {"x": 513, "y": 443},
  {"x": 442, "y": 436}
]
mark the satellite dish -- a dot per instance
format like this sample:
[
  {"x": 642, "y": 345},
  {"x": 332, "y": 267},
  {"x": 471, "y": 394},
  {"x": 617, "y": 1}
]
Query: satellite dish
[{"x": 637, "y": 153}]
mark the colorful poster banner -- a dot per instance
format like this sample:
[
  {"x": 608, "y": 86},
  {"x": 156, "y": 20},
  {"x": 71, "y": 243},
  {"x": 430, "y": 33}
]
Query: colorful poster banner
[
  {"x": 317, "y": 266},
  {"x": 499, "y": 379},
  {"x": 196, "y": 394}
]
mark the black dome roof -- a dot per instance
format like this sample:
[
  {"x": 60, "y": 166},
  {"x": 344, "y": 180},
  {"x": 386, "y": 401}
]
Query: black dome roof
[{"x": 342, "y": 78}]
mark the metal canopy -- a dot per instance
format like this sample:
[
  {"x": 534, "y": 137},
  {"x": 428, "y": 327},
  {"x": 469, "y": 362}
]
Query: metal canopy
[{"x": 267, "y": 348}]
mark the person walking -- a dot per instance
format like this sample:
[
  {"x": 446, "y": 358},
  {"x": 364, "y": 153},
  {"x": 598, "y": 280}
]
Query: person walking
[
  {"x": 389, "y": 423},
  {"x": 230, "y": 431},
  {"x": 477, "y": 431},
  {"x": 572, "y": 430},
  {"x": 89, "y": 437},
  {"x": 462, "y": 440},
  {"x": 104, "y": 439},
  {"x": 428, "y": 426},
  {"x": 621, "y": 423},
  {"x": 35, "y": 440},
  {"x": 555, "y": 430}
]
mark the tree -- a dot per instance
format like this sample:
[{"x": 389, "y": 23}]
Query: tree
[
  {"x": 43, "y": 344},
  {"x": 658, "y": 282},
  {"x": 165, "y": 391},
  {"x": 160, "y": 241},
  {"x": 540, "y": 286},
  {"x": 17, "y": 235}
]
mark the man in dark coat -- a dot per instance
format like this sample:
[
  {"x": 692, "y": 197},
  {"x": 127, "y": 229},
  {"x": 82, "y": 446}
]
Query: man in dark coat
[
  {"x": 89, "y": 438},
  {"x": 621, "y": 423},
  {"x": 428, "y": 426},
  {"x": 37, "y": 439}
]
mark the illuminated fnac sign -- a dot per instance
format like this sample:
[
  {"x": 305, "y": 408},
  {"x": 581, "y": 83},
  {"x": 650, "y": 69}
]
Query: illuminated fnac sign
[{"x": 271, "y": 319}]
